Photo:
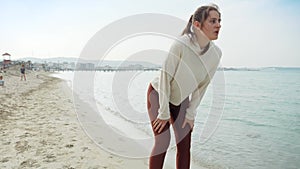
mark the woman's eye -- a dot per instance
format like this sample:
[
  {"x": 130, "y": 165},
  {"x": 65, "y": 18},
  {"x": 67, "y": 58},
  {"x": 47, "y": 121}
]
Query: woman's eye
[{"x": 215, "y": 21}]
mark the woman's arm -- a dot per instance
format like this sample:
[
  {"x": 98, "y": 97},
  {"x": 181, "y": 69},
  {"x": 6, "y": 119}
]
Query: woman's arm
[{"x": 166, "y": 76}]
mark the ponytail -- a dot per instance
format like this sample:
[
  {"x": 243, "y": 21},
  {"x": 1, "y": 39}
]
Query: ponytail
[{"x": 187, "y": 29}]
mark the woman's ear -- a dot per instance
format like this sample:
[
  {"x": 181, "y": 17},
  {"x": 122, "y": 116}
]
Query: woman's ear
[{"x": 197, "y": 24}]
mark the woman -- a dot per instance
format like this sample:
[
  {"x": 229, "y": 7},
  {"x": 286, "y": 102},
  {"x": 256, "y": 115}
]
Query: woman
[{"x": 173, "y": 97}]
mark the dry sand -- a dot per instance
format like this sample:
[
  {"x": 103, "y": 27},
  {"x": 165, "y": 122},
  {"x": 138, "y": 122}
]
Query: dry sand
[{"x": 39, "y": 128}]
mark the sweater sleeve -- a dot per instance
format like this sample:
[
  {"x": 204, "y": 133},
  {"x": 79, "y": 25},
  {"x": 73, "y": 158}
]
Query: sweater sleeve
[
  {"x": 196, "y": 98},
  {"x": 166, "y": 76}
]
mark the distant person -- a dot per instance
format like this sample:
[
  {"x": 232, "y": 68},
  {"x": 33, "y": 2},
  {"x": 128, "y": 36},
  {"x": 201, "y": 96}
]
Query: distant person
[
  {"x": 1, "y": 80},
  {"x": 191, "y": 63},
  {"x": 23, "y": 72}
]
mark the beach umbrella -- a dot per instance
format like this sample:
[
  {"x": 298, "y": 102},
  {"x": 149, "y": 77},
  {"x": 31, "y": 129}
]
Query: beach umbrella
[{"x": 6, "y": 54}]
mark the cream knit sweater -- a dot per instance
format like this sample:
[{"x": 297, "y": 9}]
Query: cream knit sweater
[{"x": 185, "y": 72}]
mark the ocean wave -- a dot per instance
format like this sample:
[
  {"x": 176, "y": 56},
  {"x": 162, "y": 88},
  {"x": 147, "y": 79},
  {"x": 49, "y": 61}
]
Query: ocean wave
[
  {"x": 249, "y": 123},
  {"x": 145, "y": 128}
]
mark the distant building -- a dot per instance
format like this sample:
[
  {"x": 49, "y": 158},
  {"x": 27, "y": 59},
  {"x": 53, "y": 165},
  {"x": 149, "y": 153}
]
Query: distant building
[
  {"x": 6, "y": 60},
  {"x": 85, "y": 66},
  {"x": 90, "y": 66},
  {"x": 71, "y": 65}
]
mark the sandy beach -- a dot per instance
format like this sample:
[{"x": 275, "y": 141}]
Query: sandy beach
[{"x": 39, "y": 128}]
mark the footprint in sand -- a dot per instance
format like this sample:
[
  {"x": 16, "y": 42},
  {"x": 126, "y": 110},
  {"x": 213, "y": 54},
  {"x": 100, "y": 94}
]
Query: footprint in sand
[
  {"x": 50, "y": 158},
  {"x": 69, "y": 145},
  {"x": 22, "y": 146},
  {"x": 6, "y": 143},
  {"x": 5, "y": 159},
  {"x": 29, "y": 163},
  {"x": 84, "y": 149}
]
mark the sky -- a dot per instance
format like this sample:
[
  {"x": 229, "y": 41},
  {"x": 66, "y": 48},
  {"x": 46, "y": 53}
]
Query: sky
[{"x": 254, "y": 33}]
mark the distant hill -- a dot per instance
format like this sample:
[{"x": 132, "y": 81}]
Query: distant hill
[
  {"x": 261, "y": 69},
  {"x": 43, "y": 60},
  {"x": 111, "y": 63}
]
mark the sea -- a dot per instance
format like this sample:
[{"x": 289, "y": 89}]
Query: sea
[{"x": 257, "y": 126}]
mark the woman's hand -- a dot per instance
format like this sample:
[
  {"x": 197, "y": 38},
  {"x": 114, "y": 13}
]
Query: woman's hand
[
  {"x": 202, "y": 39},
  {"x": 189, "y": 122},
  {"x": 159, "y": 125}
]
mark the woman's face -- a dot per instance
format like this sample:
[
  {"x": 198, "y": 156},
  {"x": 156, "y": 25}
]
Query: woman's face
[{"x": 211, "y": 26}]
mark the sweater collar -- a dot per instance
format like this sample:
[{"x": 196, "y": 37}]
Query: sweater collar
[{"x": 192, "y": 40}]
